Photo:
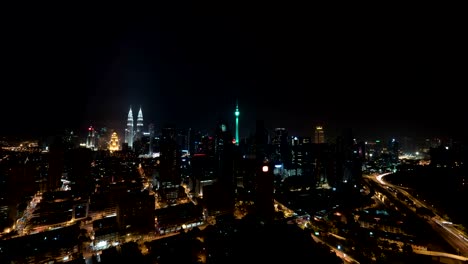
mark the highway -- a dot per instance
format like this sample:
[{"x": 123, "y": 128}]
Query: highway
[
  {"x": 27, "y": 214},
  {"x": 346, "y": 258},
  {"x": 454, "y": 237},
  {"x": 440, "y": 254}
]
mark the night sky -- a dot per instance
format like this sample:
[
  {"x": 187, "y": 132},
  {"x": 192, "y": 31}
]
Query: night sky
[{"x": 380, "y": 73}]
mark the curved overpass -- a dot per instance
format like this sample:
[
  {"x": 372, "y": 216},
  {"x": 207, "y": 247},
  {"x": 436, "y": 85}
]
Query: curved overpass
[
  {"x": 442, "y": 254},
  {"x": 449, "y": 233}
]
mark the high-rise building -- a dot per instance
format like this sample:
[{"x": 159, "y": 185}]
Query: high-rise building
[
  {"x": 56, "y": 164},
  {"x": 219, "y": 196},
  {"x": 264, "y": 180},
  {"x": 135, "y": 212},
  {"x": 319, "y": 135},
  {"x": 151, "y": 138},
  {"x": 224, "y": 166},
  {"x": 282, "y": 152},
  {"x": 169, "y": 173},
  {"x": 91, "y": 139},
  {"x": 129, "y": 132},
  {"x": 114, "y": 142},
  {"x": 349, "y": 158},
  {"x": 139, "y": 128},
  {"x": 80, "y": 170}
]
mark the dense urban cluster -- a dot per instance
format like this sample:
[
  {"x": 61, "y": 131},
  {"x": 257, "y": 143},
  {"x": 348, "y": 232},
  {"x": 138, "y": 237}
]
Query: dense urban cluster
[{"x": 179, "y": 195}]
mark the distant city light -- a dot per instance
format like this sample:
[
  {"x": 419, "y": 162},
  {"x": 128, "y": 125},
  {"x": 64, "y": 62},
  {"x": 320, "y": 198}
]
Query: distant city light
[
  {"x": 265, "y": 168},
  {"x": 101, "y": 244}
]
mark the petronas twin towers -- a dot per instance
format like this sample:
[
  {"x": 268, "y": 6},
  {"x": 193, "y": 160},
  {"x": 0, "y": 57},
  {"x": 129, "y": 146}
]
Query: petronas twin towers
[{"x": 130, "y": 132}]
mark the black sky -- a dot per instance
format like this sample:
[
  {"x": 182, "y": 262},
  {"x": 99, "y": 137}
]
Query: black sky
[{"x": 380, "y": 72}]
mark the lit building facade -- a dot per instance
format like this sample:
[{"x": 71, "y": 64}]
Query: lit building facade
[
  {"x": 139, "y": 126},
  {"x": 114, "y": 143},
  {"x": 129, "y": 132},
  {"x": 91, "y": 139},
  {"x": 319, "y": 135},
  {"x": 133, "y": 135}
]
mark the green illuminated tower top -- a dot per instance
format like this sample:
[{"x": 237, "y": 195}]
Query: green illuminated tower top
[{"x": 237, "y": 113}]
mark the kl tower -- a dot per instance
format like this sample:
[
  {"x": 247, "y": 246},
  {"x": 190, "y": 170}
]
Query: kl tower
[{"x": 236, "y": 114}]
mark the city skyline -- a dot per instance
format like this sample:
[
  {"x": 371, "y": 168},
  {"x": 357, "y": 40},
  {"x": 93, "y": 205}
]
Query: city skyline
[
  {"x": 189, "y": 67},
  {"x": 214, "y": 133}
]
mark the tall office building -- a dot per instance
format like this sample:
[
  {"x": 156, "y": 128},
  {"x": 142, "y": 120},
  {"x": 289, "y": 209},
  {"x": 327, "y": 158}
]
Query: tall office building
[
  {"x": 349, "y": 157},
  {"x": 80, "y": 170},
  {"x": 169, "y": 171},
  {"x": 319, "y": 135},
  {"x": 264, "y": 179},
  {"x": 114, "y": 143},
  {"x": 139, "y": 128},
  {"x": 282, "y": 151},
  {"x": 129, "y": 132},
  {"x": 219, "y": 196},
  {"x": 151, "y": 138},
  {"x": 56, "y": 164},
  {"x": 91, "y": 139},
  {"x": 138, "y": 132}
]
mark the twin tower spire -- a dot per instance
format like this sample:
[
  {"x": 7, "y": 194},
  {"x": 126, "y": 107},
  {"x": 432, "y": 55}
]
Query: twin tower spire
[{"x": 130, "y": 132}]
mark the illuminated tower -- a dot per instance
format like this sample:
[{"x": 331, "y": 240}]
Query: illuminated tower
[
  {"x": 114, "y": 143},
  {"x": 237, "y": 113},
  {"x": 91, "y": 139},
  {"x": 151, "y": 139},
  {"x": 140, "y": 122},
  {"x": 319, "y": 137},
  {"x": 129, "y": 130}
]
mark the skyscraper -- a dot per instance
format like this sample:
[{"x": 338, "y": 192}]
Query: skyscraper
[
  {"x": 91, "y": 139},
  {"x": 220, "y": 195},
  {"x": 139, "y": 122},
  {"x": 114, "y": 142},
  {"x": 319, "y": 136},
  {"x": 129, "y": 133},
  {"x": 169, "y": 171},
  {"x": 264, "y": 180},
  {"x": 56, "y": 164},
  {"x": 138, "y": 133},
  {"x": 282, "y": 152},
  {"x": 151, "y": 138}
]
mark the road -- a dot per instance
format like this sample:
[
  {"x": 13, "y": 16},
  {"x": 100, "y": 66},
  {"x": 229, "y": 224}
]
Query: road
[
  {"x": 346, "y": 258},
  {"x": 454, "y": 237},
  {"x": 440, "y": 254}
]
